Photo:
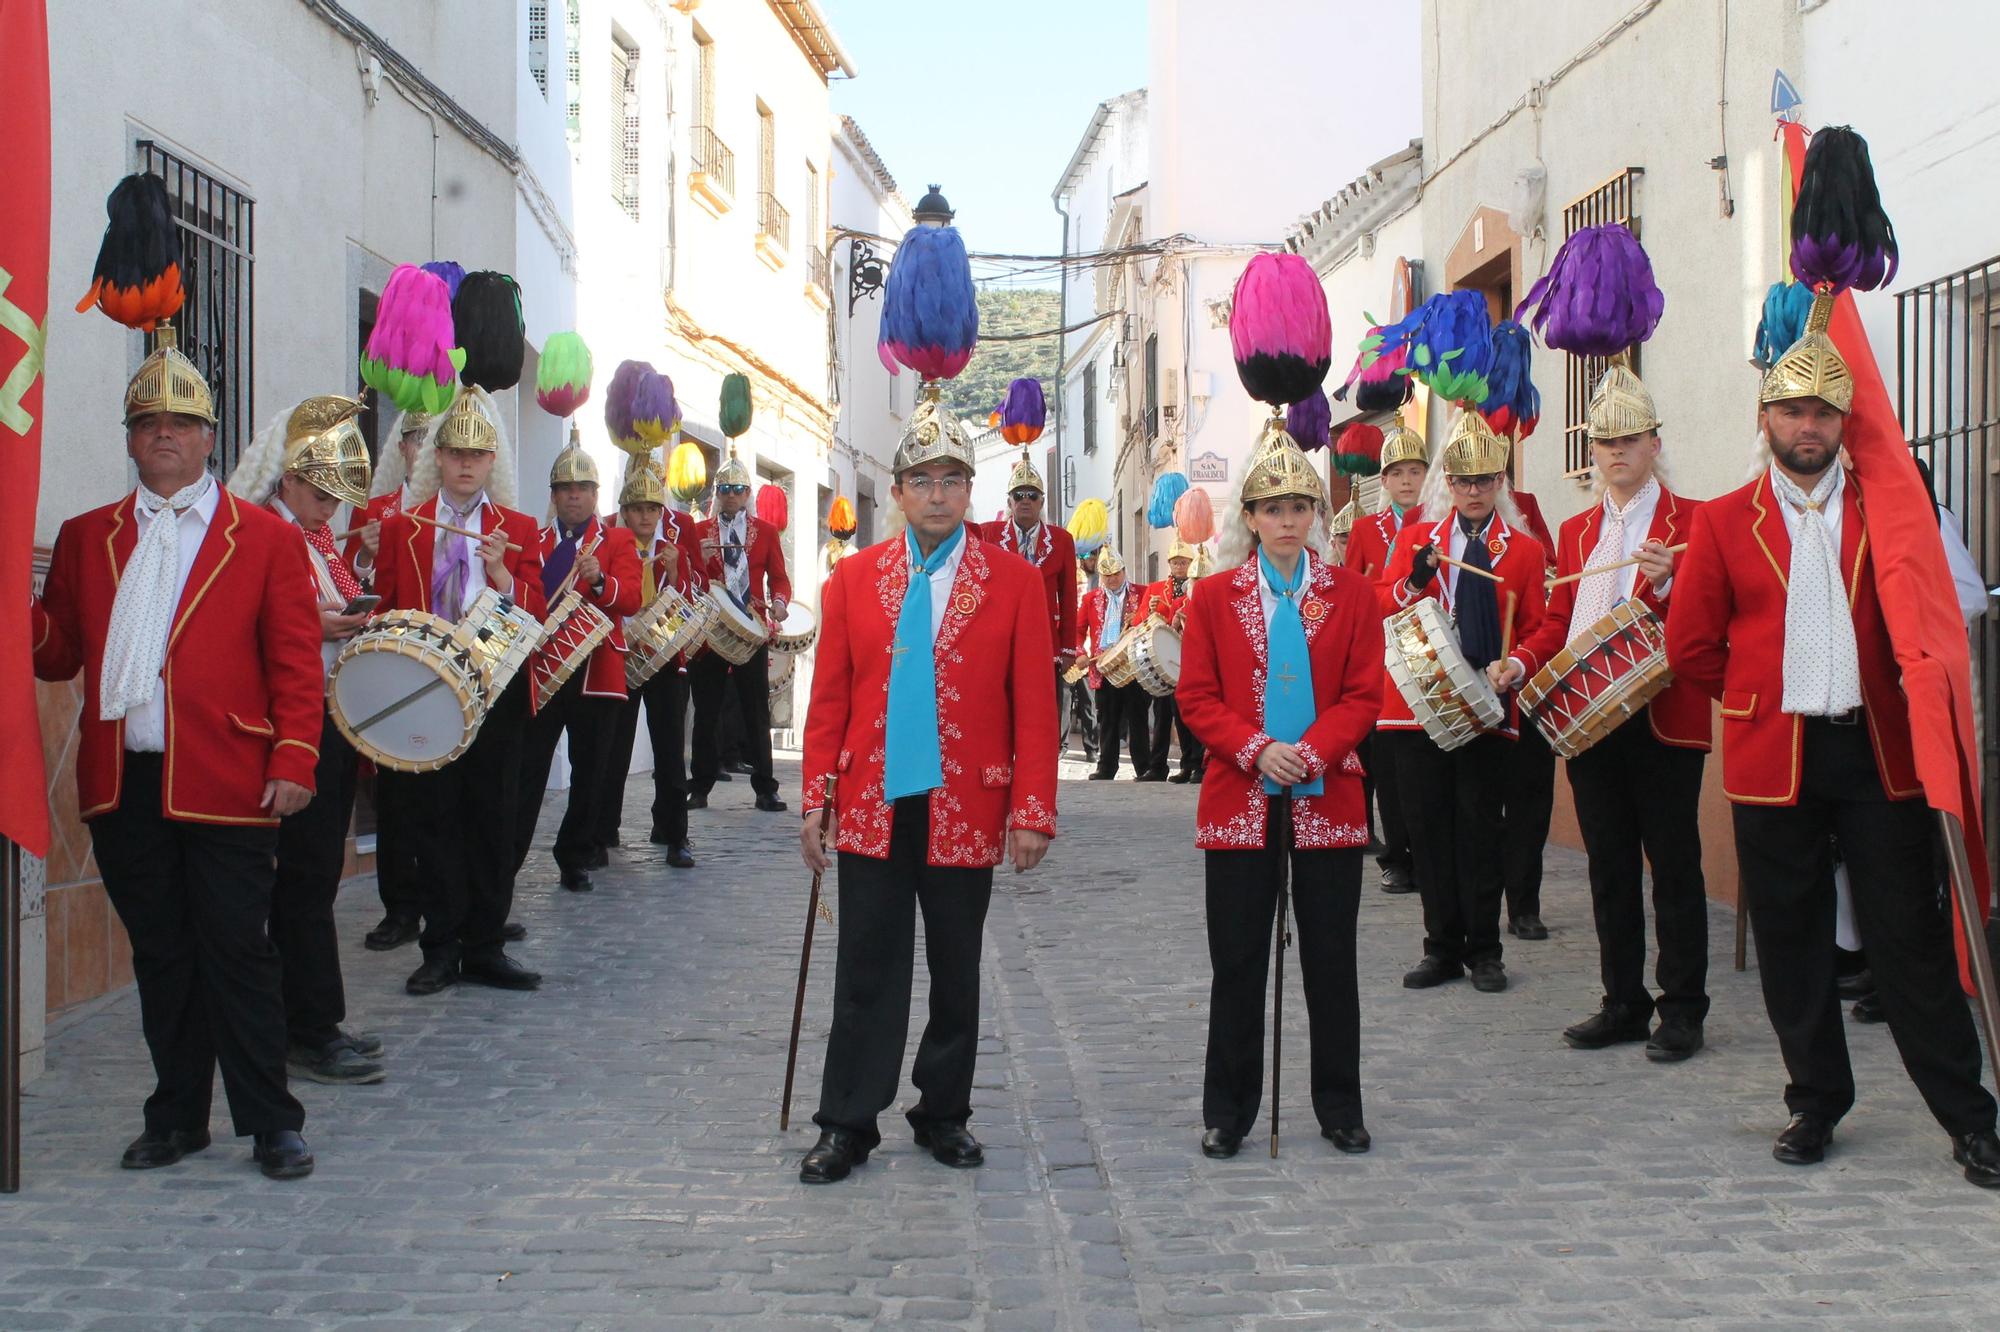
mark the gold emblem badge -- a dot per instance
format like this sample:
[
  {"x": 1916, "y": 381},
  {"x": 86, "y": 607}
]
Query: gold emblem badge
[
  {"x": 1314, "y": 609},
  {"x": 964, "y": 602},
  {"x": 1495, "y": 547}
]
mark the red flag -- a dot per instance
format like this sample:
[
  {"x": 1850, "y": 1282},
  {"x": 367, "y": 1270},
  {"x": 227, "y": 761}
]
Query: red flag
[
  {"x": 1914, "y": 585},
  {"x": 24, "y": 307}
]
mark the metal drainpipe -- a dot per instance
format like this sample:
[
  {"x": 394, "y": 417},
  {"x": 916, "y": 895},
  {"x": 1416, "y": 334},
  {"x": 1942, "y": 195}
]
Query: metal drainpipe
[{"x": 1062, "y": 351}]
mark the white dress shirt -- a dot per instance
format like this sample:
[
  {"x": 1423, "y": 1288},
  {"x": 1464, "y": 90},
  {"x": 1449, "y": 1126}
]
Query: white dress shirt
[
  {"x": 146, "y": 725},
  {"x": 941, "y": 580},
  {"x": 1830, "y": 510}
]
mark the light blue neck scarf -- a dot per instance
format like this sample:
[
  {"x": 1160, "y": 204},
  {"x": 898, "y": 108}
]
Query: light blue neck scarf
[
  {"x": 913, "y": 762},
  {"x": 1288, "y": 684}
]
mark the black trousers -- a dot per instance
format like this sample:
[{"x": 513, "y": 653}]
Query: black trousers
[
  {"x": 1122, "y": 710},
  {"x": 879, "y": 900},
  {"x": 1785, "y": 855},
  {"x": 397, "y": 878},
  {"x": 194, "y": 898},
  {"x": 709, "y": 678},
  {"x": 462, "y": 816},
  {"x": 1083, "y": 715},
  {"x": 312, "y": 849},
  {"x": 1452, "y": 800},
  {"x": 1385, "y": 793},
  {"x": 1242, "y": 906},
  {"x": 1527, "y": 805},
  {"x": 591, "y": 724},
  {"x": 1638, "y": 801},
  {"x": 665, "y": 698}
]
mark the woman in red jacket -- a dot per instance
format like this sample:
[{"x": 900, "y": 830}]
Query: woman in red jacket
[{"x": 1281, "y": 677}]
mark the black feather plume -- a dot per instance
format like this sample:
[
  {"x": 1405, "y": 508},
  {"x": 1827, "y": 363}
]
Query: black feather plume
[
  {"x": 486, "y": 314},
  {"x": 1840, "y": 235}
]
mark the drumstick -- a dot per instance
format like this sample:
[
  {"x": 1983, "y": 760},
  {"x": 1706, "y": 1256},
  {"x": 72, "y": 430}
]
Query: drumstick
[
  {"x": 1625, "y": 563},
  {"x": 457, "y": 531},
  {"x": 1469, "y": 568}
]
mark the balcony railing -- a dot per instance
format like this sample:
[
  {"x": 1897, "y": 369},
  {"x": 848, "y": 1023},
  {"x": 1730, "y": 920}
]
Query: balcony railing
[
  {"x": 714, "y": 172},
  {"x": 773, "y": 221},
  {"x": 816, "y": 269}
]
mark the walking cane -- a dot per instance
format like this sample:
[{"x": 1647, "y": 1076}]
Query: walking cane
[
  {"x": 1977, "y": 950},
  {"x": 815, "y": 908},
  {"x": 1281, "y": 833}
]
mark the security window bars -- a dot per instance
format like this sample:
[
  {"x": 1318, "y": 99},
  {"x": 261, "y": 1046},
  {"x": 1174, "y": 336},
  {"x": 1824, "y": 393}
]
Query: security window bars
[
  {"x": 1615, "y": 201},
  {"x": 624, "y": 126},
  {"x": 538, "y": 44},
  {"x": 573, "y": 73}
]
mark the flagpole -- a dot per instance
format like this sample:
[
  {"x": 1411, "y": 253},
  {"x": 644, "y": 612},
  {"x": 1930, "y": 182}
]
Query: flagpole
[
  {"x": 1978, "y": 954},
  {"x": 10, "y": 1017}
]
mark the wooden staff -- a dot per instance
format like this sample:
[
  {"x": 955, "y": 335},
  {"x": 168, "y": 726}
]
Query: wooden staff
[
  {"x": 1281, "y": 833},
  {"x": 1625, "y": 563},
  {"x": 456, "y": 531},
  {"x": 814, "y": 910},
  {"x": 1487, "y": 574}
]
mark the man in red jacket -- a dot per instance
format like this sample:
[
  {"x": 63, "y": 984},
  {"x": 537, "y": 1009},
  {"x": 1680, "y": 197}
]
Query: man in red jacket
[
  {"x": 933, "y": 719},
  {"x": 580, "y": 553},
  {"x": 463, "y": 813},
  {"x": 742, "y": 555},
  {"x": 1050, "y": 548},
  {"x": 1109, "y": 609},
  {"x": 182, "y": 607},
  {"x": 1170, "y": 601},
  {"x": 1775, "y": 613},
  {"x": 1637, "y": 790}
]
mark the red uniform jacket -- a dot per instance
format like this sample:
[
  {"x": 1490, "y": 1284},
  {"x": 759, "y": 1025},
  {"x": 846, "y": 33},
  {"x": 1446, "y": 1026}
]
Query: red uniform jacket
[
  {"x": 1521, "y": 594},
  {"x": 1221, "y": 698},
  {"x": 1531, "y": 518},
  {"x": 996, "y": 704},
  {"x": 404, "y": 554},
  {"x": 1169, "y": 606},
  {"x": 1368, "y": 544},
  {"x": 242, "y": 675},
  {"x": 1726, "y": 637},
  {"x": 1679, "y": 714},
  {"x": 768, "y": 580},
  {"x": 377, "y": 508},
  {"x": 1055, "y": 558},
  {"x": 1093, "y": 637},
  {"x": 618, "y": 560}
]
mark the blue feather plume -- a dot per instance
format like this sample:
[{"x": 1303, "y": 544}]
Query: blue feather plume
[
  {"x": 1785, "y": 307},
  {"x": 1512, "y": 401},
  {"x": 1166, "y": 492},
  {"x": 1451, "y": 350},
  {"x": 930, "y": 312}
]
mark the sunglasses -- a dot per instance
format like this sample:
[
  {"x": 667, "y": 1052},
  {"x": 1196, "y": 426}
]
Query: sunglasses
[
  {"x": 732, "y": 490},
  {"x": 1021, "y": 496}
]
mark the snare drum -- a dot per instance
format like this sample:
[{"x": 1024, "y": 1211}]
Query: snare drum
[
  {"x": 656, "y": 635},
  {"x": 1595, "y": 685},
  {"x": 1115, "y": 664},
  {"x": 498, "y": 636},
  {"x": 1156, "y": 657},
  {"x": 575, "y": 630},
  {"x": 783, "y": 664},
  {"x": 733, "y": 633},
  {"x": 406, "y": 692},
  {"x": 798, "y": 631},
  {"x": 1453, "y": 701}
]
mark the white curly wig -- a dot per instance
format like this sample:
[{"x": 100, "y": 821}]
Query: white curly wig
[
  {"x": 1236, "y": 542},
  {"x": 260, "y": 466},
  {"x": 390, "y": 472},
  {"x": 500, "y": 486}
]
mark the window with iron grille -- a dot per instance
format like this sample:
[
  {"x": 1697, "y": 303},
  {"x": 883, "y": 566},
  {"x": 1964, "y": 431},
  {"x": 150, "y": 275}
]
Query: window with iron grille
[
  {"x": 1616, "y": 201},
  {"x": 623, "y": 125},
  {"x": 1152, "y": 388},
  {"x": 573, "y": 73},
  {"x": 538, "y": 43},
  {"x": 216, "y": 324},
  {"x": 1090, "y": 409}
]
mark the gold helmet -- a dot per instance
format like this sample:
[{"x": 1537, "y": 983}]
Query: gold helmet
[
  {"x": 414, "y": 423},
  {"x": 1812, "y": 366},
  {"x": 573, "y": 466},
  {"x": 1474, "y": 450},
  {"x": 1180, "y": 550},
  {"x": 932, "y": 434},
  {"x": 1025, "y": 477},
  {"x": 1108, "y": 562},
  {"x": 645, "y": 483},
  {"x": 467, "y": 426},
  {"x": 168, "y": 382},
  {"x": 733, "y": 471},
  {"x": 1279, "y": 467},
  {"x": 1621, "y": 405},
  {"x": 1343, "y": 522},
  {"x": 1400, "y": 444},
  {"x": 324, "y": 448}
]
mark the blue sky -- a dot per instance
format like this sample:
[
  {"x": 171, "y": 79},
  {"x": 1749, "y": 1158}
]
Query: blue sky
[{"x": 995, "y": 135}]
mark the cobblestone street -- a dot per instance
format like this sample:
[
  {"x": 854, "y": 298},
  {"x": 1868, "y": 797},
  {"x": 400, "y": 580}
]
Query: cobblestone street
[{"x": 605, "y": 1153}]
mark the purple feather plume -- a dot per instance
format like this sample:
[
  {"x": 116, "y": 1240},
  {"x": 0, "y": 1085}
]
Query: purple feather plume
[
  {"x": 1024, "y": 413},
  {"x": 1279, "y": 329},
  {"x": 930, "y": 312},
  {"x": 654, "y": 411},
  {"x": 625, "y": 382},
  {"x": 1840, "y": 235},
  {"x": 1598, "y": 297},
  {"x": 1309, "y": 421},
  {"x": 449, "y": 271}
]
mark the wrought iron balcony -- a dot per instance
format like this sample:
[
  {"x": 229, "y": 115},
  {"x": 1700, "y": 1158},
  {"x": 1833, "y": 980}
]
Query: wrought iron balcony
[
  {"x": 773, "y": 221},
  {"x": 714, "y": 168}
]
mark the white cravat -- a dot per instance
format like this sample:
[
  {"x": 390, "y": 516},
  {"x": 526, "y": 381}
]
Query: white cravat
[
  {"x": 1619, "y": 535},
  {"x": 142, "y": 614},
  {"x": 1822, "y": 664}
]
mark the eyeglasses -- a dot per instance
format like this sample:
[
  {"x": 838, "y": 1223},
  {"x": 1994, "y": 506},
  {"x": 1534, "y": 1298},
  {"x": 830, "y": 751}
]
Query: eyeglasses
[
  {"x": 1475, "y": 482},
  {"x": 1022, "y": 496},
  {"x": 951, "y": 484},
  {"x": 732, "y": 490}
]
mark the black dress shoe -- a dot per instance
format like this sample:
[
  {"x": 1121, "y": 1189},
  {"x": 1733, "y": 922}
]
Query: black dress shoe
[
  {"x": 598, "y": 859},
  {"x": 438, "y": 972},
  {"x": 1613, "y": 1024},
  {"x": 1490, "y": 976},
  {"x": 952, "y": 1145},
  {"x": 513, "y": 931},
  {"x": 1398, "y": 879},
  {"x": 1195, "y": 780},
  {"x": 836, "y": 1153},
  {"x": 577, "y": 880},
  {"x": 1354, "y": 1141},
  {"x": 364, "y": 1042},
  {"x": 739, "y": 767},
  {"x": 1433, "y": 970},
  {"x": 150, "y": 1150},
  {"x": 1804, "y": 1140},
  {"x": 1150, "y": 777},
  {"x": 1675, "y": 1039},
  {"x": 1979, "y": 1153},
  {"x": 1868, "y": 1008},
  {"x": 722, "y": 775},
  {"x": 680, "y": 857},
  {"x": 499, "y": 971},
  {"x": 1102, "y": 776},
  {"x": 282, "y": 1154},
  {"x": 698, "y": 800},
  {"x": 1856, "y": 986},
  {"x": 1527, "y": 926},
  {"x": 1179, "y": 778},
  {"x": 771, "y": 804},
  {"x": 1220, "y": 1144},
  {"x": 336, "y": 1063},
  {"x": 393, "y": 932}
]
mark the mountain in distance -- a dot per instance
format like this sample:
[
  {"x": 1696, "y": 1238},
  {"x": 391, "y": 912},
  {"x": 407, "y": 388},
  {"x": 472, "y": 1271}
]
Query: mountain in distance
[{"x": 982, "y": 385}]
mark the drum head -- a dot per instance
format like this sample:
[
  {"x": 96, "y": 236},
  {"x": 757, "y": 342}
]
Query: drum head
[
  {"x": 425, "y": 730},
  {"x": 799, "y": 619},
  {"x": 726, "y": 607}
]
